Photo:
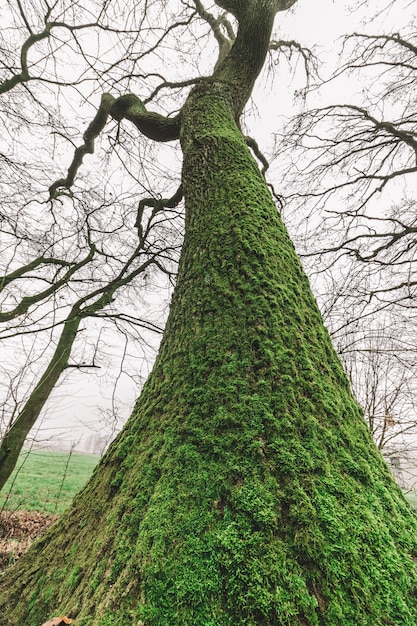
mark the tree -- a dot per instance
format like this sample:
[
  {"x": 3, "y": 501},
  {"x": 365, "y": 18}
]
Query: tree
[
  {"x": 378, "y": 353},
  {"x": 245, "y": 488},
  {"x": 383, "y": 380},
  {"x": 353, "y": 164}
]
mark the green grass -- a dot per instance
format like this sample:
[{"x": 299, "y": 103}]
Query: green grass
[
  {"x": 411, "y": 497},
  {"x": 46, "y": 481}
]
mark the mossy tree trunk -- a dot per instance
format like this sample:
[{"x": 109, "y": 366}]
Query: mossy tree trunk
[{"x": 245, "y": 489}]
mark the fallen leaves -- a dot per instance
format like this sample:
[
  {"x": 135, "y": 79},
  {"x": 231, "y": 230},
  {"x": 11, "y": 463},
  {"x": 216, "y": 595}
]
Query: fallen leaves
[
  {"x": 18, "y": 529},
  {"x": 58, "y": 621}
]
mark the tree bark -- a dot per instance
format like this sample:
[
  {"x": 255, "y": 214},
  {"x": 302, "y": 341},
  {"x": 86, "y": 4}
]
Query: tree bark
[{"x": 238, "y": 71}]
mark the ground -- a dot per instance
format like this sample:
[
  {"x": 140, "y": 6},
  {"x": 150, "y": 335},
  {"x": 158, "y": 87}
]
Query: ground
[{"x": 18, "y": 530}]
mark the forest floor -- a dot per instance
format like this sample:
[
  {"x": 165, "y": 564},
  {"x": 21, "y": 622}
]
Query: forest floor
[{"x": 18, "y": 530}]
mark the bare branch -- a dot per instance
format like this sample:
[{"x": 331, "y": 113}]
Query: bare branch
[
  {"x": 309, "y": 59},
  {"x": 29, "y": 301},
  {"x": 92, "y": 132}
]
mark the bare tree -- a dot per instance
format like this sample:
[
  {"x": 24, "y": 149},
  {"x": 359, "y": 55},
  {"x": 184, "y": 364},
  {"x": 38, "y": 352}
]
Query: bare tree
[
  {"x": 355, "y": 162},
  {"x": 66, "y": 255},
  {"x": 353, "y": 165}
]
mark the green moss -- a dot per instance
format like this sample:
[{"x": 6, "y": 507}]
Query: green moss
[
  {"x": 75, "y": 576},
  {"x": 245, "y": 488}
]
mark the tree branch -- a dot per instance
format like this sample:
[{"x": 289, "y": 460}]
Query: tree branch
[
  {"x": 29, "y": 267},
  {"x": 92, "y": 132},
  {"x": 130, "y": 107},
  {"x": 215, "y": 23},
  {"x": 158, "y": 205},
  {"x": 310, "y": 60},
  {"x": 28, "y": 301},
  {"x": 153, "y": 125},
  {"x": 254, "y": 146}
]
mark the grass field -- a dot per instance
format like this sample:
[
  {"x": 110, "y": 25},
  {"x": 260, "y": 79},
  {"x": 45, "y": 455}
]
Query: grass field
[{"x": 46, "y": 481}]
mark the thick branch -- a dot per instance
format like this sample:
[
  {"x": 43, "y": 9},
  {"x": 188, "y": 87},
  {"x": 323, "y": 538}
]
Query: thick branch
[
  {"x": 224, "y": 42},
  {"x": 24, "y": 75},
  {"x": 151, "y": 124},
  {"x": 130, "y": 107},
  {"x": 157, "y": 204},
  {"x": 252, "y": 143},
  {"x": 29, "y": 267},
  {"x": 92, "y": 132}
]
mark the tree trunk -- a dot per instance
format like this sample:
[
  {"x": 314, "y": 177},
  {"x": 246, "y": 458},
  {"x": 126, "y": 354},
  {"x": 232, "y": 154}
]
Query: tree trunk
[
  {"x": 245, "y": 489},
  {"x": 16, "y": 435}
]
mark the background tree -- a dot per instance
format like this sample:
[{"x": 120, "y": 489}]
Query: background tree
[
  {"x": 66, "y": 255},
  {"x": 351, "y": 213},
  {"x": 381, "y": 366},
  {"x": 245, "y": 488}
]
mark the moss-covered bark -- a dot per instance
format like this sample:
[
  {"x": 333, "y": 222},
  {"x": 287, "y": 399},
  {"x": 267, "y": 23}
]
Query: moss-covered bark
[{"x": 245, "y": 489}]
